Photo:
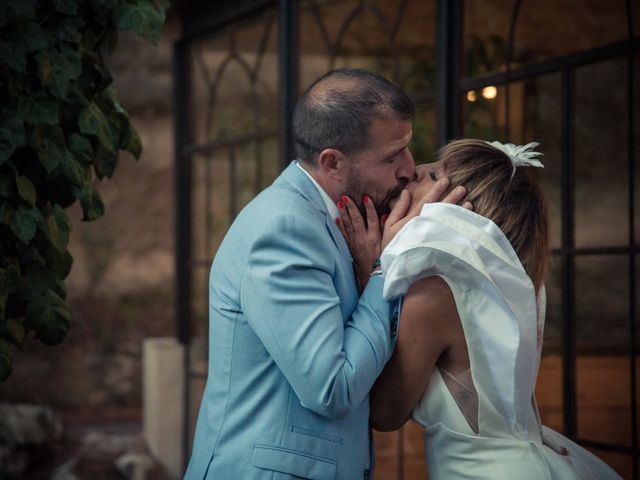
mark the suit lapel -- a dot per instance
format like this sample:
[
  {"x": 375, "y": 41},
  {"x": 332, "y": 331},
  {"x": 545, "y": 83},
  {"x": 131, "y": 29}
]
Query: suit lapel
[{"x": 299, "y": 180}]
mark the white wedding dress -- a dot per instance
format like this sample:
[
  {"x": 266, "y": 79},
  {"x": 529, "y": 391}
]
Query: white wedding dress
[{"x": 483, "y": 423}]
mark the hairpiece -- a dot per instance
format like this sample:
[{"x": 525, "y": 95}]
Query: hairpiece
[{"x": 520, "y": 155}]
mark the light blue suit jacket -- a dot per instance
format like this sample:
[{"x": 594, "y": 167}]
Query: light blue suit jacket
[{"x": 293, "y": 348}]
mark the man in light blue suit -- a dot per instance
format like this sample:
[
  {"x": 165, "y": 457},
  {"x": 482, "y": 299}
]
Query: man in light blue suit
[{"x": 296, "y": 339}]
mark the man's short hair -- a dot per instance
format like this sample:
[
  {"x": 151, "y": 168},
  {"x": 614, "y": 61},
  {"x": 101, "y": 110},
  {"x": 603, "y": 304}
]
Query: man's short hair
[{"x": 337, "y": 110}]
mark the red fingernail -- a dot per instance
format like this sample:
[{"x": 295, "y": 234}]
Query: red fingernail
[
  {"x": 337, "y": 221},
  {"x": 365, "y": 199},
  {"x": 384, "y": 217},
  {"x": 340, "y": 204},
  {"x": 345, "y": 199}
]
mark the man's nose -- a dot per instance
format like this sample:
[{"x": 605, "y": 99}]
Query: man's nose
[{"x": 407, "y": 167}]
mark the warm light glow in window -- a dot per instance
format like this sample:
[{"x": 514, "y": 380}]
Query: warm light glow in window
[
  {"x": 489, "y": 92},
  {"x": 471, "y": 96}
]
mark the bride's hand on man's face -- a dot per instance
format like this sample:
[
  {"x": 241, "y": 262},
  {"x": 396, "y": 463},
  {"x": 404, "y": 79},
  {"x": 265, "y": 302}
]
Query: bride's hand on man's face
[
  {"x": 402, "y": 211},
  {"x": 364, "y": 240}
]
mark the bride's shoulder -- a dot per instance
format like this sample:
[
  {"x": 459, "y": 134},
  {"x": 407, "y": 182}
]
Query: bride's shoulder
[
  {"x": 432, "y": 285},
  {"x": 432, "y": 296},
  {"x": 429, "y": 312}
]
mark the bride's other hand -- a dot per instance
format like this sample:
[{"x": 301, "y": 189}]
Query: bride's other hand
[
  {"x": 402, "y": 211},
  {"x": 364, "y": 240}
]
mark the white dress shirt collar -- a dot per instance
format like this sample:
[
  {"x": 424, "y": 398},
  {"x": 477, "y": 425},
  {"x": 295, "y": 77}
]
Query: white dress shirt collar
[{"x": 332, "y": 209}]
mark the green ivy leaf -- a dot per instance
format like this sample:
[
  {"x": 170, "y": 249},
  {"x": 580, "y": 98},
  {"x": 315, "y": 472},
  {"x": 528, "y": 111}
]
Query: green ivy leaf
[
  {"x": 26, "y": 189},
  {"x": 132, "y": 143},
  {"x": 90, "y": 201},
  {"x": 89, "y": 39},
  {"x": 49, "y": 317},
  {"x": 38, "y": 109},
  {"x": 6, "y": 360},
  {"x": 58, "y": 69},
  {"x": 25, "y": 223},
  {"x": 75, "y": 97},
  {"x": 13, "y": 52},
  {"x": 11, "y": 137},
  {"x": 57, "y": 228},
  {"x": 69, "y": 28},
  {"x": 14, "y": 277},
  {"x": 73, "y": 170},
  {"x": 36, "y": 38},
  {"x": 12, "y": 9},
  {"x": 130, "y": 138},
  {"x": 162, "y": 4},
  {"x": 59, "y": 129},
  {"x": 48, "y": 142},
  {"x": 142, "y": 17},
  {"x": 41, "y": 279},
  {"x": 117, "y": 118},
  {"x": 13, "y": 331},
  {"x": 4, "y": 292},
  {"x": 70, "y": 7},
  {"x": 7, "y": 185},
  {"x": 81, "y": 148},
  {"x": 7, "y": 213},
  {"x": 93, "y": 121},
  {"x": 104, "y": 162},
  {"x": 59, "y": 262}
]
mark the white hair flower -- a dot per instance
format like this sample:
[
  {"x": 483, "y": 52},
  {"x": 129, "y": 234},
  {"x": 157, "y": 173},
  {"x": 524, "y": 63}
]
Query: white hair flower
[{"x": 520, "y": 155}]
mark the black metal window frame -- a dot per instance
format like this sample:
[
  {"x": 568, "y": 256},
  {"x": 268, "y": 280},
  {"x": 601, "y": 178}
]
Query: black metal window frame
[
  {"x": 568, "y": 252},
  {"x": 450, "y": 87}
]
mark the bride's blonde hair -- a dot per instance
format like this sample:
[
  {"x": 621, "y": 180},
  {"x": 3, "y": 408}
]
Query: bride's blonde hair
[{"x": 516, "y": 204}]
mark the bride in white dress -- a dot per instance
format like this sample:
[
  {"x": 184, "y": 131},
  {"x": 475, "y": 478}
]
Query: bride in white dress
[{"x": 470, "y": 329}]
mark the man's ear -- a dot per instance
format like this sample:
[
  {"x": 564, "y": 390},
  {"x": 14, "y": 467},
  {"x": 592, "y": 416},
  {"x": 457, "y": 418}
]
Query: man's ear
[{"x": 332, "y": 163}]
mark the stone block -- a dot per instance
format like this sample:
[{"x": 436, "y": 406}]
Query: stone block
[{"x": 163, "y": 405}]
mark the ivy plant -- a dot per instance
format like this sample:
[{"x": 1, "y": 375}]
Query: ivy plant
[{"x": 61, "y": 130}]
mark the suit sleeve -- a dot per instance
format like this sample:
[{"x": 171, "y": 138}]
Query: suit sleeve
[{"x": 289, "y": 299}]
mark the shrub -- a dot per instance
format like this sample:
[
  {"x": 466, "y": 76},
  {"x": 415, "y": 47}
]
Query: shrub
[{"x": 61, "y": 129}]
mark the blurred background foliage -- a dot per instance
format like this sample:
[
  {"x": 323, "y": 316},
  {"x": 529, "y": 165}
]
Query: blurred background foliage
[{"x": 61, "y": 128}]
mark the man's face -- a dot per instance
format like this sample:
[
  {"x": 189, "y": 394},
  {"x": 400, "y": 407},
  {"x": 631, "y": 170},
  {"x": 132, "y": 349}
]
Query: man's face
[{"x": 383, "y": 169}]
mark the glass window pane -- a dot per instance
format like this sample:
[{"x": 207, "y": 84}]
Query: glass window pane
[
  {"x": 395, "y": 39},
  {"x": 200, "y": 302},
  {"x": 601, "y": 154},
  {"x": 636, "y": 140},
  {"x": 549, "y": 385},
  {"x": 637, "y": 350},
  {"x": 620, "y": 462},
  {"x": 602, "y": 336},
  {"x": 423, "y": 143},
  {"x": 542, "y": 123},
  {"x": 415, "y": 41},
  {"x": 199, "y": 215},
  {"x": 602, "y": 299},
  {"x": 386, "y": 454},
  {"x": 553, "y": 321},
  {"x": 268, "y": 161},
  {"x": 534, "y": 115},
  {"x": 414, "y": 465},
  {"x": 246, "y": 180},
  {"x": 400, "y": 454},
  {"x": 486, "y": 34},
  {"x": 211, "y": 197},
  {"x": 603, "y": 393},
  {"x": 544, "y": 29},
  {"x": 234, "y": 81},
  {"x": 549, "y": 28},
  {"x": 480, "y": 114},
  {"x": 549, "y": 391}
]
